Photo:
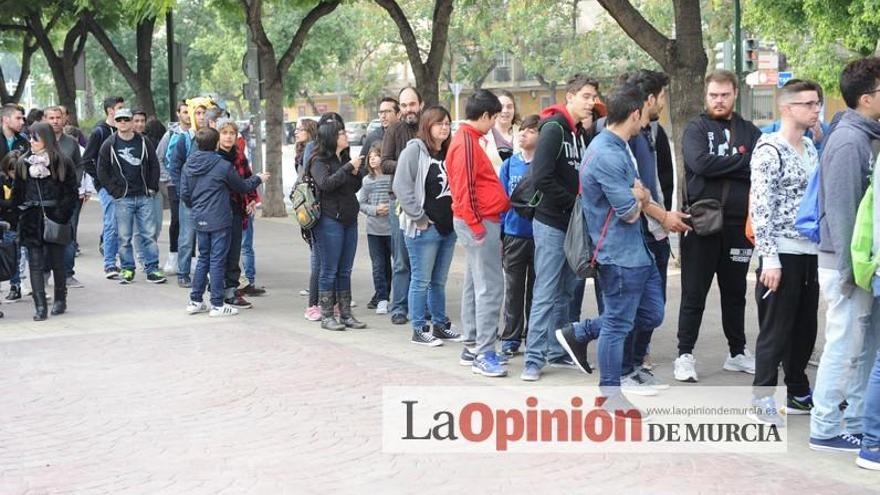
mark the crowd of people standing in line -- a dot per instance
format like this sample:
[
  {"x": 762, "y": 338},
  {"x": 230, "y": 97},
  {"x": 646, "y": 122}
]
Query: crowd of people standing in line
[{"x": 609, "y": 160}]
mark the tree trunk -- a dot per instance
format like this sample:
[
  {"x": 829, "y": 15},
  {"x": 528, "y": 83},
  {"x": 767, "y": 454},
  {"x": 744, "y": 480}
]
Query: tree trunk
[
  {"x": 28, "y": 49},
  {"x": 688, "y": 103},
  {"x": 61, "y": 66},
  {"x": 273, "y": 202}
]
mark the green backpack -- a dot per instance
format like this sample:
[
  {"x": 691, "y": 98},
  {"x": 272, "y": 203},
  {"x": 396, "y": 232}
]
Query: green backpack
[
  {"x": 864, "y": 262},
  {"x": 304, "y": 197}
]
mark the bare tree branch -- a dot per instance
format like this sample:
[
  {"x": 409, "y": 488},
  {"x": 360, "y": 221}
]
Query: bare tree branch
[
  {"x": 639, "y": 29},
  {"x": 302, "y": 31}
]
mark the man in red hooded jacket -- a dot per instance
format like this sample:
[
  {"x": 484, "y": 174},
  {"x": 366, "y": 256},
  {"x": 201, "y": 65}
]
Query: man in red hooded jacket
[{"x": 478, "y": 200}]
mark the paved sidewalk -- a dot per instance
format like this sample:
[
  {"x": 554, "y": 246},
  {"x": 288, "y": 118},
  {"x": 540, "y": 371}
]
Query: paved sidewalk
[{"x": 128, "y": 394}]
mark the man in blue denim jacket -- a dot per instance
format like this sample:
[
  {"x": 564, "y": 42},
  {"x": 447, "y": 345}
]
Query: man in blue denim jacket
[{"x": 613, "y": 200}]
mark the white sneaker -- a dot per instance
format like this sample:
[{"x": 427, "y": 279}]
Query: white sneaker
[
  {"x": 686, "y": 368},
  {"x": 304, "y": 292},
  {"x": 196, "y": 307},
  {"x": 225, "y": 310},
  {"x": 741, "y": 362},
  {"x": 382, "y": 308},
  {"x": 633, "y": 384},
  {"x": 170, "y": 267}
]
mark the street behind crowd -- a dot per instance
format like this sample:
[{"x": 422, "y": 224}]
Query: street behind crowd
[{"x": 128, "y": 393}]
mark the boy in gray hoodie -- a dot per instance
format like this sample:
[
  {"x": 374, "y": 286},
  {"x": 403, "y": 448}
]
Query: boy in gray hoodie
[{"x": 850, "y": 337}]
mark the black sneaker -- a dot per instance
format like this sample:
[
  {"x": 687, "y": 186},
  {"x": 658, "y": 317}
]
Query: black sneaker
[
  {"x": 251, "y": 290},
  {"x": 156, "y": 277},
  {"x": 425, "y": 338},
  {"x": 373, "y": 304},
  {"x": 239, "y": 302},
  {"x": 14, "y": 293},
  {"x": 796, "y": 406},
  {"x": 576, "y": 351},
  {"x": 111, "y": 273},
  {"x": 184, "y": 282},
  {"x": 467, "y": 357},
  {"x": 445, "y": 332},
  {"x": 399, "y": 319}
]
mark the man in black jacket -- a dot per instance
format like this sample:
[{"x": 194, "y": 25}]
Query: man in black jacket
[
  {"x": 129, "y": 171},
  {"x": 12, "y": 117},
  {"x": 396, "y": 137},
  {"x": 561, "y": 145},
  {"x": 109, "y": 235},
  {"x": 717, "y": 147}
]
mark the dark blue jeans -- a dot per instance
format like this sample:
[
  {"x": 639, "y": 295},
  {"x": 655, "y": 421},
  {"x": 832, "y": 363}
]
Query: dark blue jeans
[
  {"x": 639, "y": 340},
  {"x": 633, "y": 298},
  {"x": 338, "y": 245},
  {"x": 213, "y": 247},
  {"x": 380, "y": 257},
  {"x": 872, "y": 407}
]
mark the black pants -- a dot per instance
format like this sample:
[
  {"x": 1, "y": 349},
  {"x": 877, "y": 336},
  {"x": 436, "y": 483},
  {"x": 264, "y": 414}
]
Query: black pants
[
  {"x": 726, "y": 254},
  {"x": 174, "y": 228},
  {"x": 233, "y": 257},
  {"x": 45, "y": 258},
  {"x": 519, "y": 280},
  {"x": 788, "y": 322}
]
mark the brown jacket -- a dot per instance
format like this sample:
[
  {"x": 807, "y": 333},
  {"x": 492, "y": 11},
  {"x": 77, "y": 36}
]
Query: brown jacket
[{"x": 396, "y": 137}]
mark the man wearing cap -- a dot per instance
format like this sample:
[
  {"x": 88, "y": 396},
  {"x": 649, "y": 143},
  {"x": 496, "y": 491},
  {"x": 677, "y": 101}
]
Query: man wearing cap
[{"x": 129, "y": 170}]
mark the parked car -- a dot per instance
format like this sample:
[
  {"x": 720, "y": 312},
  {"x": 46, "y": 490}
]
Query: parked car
[
  {"x": 357, "y": 133},
  {"x": 289, "y": 130},
  {"x": 374, "y": 126}
]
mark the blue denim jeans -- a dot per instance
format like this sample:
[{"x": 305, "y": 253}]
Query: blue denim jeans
[
  {"x": 110, "y": 233},
  {"x": 430, "y": 255},
  {"x": 213, "y": 247},
  {"x": 872, "y": 407},
  {"x": 248, "y": 259},
  {"x": 70, "y": 250},
  {"x": 639, "y": 340},
  {"x": 185, "y": 240},
  {"x": 633, "y": 298},
  {"x": 400, "y": 268},
  {"x": 380, "y": 259},
  {"x": 134, "y": 218},
  {"x": 10, "y": 236},
  {"x": 851, "y": 342},
  {"x": 338, "y": 245},
  {"x": 554, "y": 285}
]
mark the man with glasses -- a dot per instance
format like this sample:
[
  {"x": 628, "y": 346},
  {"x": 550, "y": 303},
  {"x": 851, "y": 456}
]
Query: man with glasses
[
  {"x": 787, "y": 289},
  {"x": 851, "y": 338},
  {"x": 717, "y": 147}
]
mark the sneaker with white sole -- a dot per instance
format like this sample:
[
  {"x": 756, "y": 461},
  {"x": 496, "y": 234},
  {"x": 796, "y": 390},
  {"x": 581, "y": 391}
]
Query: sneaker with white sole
[
  {"x": 686, "y": 368},
  {"x": 844, "y": 442},
  {"x": 744, "y": 363},
  {"x": 764, "y": 411},
  {"x": 195, "y": 307},
  {"x": 651, "y": 380},
  {"x": 424, "y": 337},
  {"x": 634, "y": 384},
  {"x": 869, "y": 458},
  {"x": 487, "y": 364},
  {"x": 382, "y": 308},
  {"x": 618, "y": 405},
  {"x": 304, "y": 292},
  {"x": 220, "y": 311}
]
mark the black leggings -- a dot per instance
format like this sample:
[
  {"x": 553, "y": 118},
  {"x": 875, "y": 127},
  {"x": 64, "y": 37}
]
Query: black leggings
[
  {"x": 174, "y": 228},
  {"x": 42, "y": 259}
]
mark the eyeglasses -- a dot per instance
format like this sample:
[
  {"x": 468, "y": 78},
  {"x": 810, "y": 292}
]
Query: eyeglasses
[
  {"x": 123, "y": 119},
  {"x": 807, "y": 104},
  {"x": 872, "y": 91}
]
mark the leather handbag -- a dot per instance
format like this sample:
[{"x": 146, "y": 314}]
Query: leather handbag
[
  {"x": 707, "y": 215},
  {"x": 54, "y": 232}
]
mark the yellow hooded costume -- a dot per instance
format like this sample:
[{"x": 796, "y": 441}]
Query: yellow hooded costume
[{"x": 198, "y": 101}]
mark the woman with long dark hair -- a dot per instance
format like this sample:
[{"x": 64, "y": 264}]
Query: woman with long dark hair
[
  {"x": 338, "y": 179},
  {"x": 45, "y": 190},
  {"x": 422, "y": 187}
]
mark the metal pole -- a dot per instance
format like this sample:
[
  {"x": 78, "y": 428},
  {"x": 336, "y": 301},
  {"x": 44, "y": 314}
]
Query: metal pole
[
  {"x": 172, "y": 86},
  {"x": 737, "y": 53}
]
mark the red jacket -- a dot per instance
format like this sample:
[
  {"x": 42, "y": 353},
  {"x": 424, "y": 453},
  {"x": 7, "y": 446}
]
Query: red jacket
[{"x": 477, "y": 193}]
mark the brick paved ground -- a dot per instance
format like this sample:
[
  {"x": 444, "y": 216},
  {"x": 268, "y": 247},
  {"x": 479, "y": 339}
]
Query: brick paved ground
[{"x": 128, "y": 394}]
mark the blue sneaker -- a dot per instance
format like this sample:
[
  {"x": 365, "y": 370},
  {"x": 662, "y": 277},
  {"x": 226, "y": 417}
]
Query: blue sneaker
[
  {"x": 487, "y": 364},
  {"x": 530, "y": 373},
  {"x": 869, "y": 458},
  {"x": 764, "y": 411},
  {"x": 841, "y": 443},
  {"x": 466, "y": 358}
]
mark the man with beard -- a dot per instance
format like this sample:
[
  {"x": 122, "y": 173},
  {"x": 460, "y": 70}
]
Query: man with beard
[
  {"x": 70, "y": 148},
  {"x": 717, "y": 147},
  {"x": 396, "y": 137}
]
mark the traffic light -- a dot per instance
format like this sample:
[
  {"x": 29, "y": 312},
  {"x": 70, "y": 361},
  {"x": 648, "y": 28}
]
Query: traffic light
[
  {"x": 724, "y": 55},
  {"x": 750, "y": 55}
]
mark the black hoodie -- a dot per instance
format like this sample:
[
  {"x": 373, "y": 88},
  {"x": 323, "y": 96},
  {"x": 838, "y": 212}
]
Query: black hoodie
[
  {"x": 716, "y": 151},
  {"x": 90, "y": 155},
  {"x": 561, "y": 146}
]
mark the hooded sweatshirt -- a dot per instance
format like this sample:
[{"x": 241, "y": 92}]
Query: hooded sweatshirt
[
  {"x": 845, "y": 169},
  {"x": 100, "y": 134},
  {"x": 205, "y": 186},
  {"x": 561, "y": 146},
  {"x": 128, "y": 169},
  {"x": 413, "y": 185},
  {"x": 718, "y": 152},
  {"x": 477, "y": 193}
]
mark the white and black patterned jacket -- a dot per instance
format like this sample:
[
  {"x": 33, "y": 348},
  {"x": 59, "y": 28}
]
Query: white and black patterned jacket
[{"x": 779, "y": 180}]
